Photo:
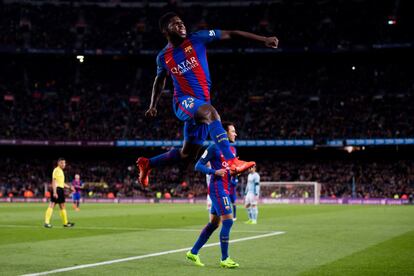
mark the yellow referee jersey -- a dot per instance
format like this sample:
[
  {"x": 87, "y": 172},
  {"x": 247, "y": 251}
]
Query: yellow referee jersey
[{"x": 59, "y": 176}]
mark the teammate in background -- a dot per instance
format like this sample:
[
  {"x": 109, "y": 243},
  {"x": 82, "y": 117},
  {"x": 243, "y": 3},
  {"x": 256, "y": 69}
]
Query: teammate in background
[
  {"x": 252, "y": 195},
  {"x": 218, "y": 189},
  {"x": 58, "y": 195},
  {"x": 233, "y": 195},
  {"x": 185, "y": 60},
  {"x": 77, "y": 187}
]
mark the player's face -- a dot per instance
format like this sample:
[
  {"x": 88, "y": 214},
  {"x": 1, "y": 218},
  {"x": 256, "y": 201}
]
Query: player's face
[
  {"x": 231, "y": 133},
  {"x": 77, "y": 177},
  {"x": 62, "y": 164},
  {"x": 176, "y": 28}
]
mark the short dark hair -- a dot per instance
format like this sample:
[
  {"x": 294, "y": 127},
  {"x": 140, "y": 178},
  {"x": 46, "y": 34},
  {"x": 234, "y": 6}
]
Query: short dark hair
[
  {"x": 61, "y": 159},
  {"x": 226, "y": 125},
  {"x": 165, "y": 20}
]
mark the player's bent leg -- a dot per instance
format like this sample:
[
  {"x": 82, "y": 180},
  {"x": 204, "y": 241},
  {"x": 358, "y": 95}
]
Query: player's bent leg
[
  {"x": 191, "y": 148},
  {"x": 175, "y": 155},
  {"x": 207, "y": 114},
  {"x": 194, "y": 136},
  {"x": 144, "y": 164},
  {"x": 193, "y": 255}
]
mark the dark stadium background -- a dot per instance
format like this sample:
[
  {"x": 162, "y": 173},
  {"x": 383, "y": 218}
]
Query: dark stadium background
[{"x": 307, "y": 89}]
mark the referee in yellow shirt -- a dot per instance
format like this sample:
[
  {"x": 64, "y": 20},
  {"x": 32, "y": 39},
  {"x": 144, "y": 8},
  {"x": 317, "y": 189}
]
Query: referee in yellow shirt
[{"x": 58, "y": 195}]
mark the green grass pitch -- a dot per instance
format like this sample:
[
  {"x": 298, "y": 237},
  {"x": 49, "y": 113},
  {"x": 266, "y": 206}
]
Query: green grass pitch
[{"x": 318, "y": 240}]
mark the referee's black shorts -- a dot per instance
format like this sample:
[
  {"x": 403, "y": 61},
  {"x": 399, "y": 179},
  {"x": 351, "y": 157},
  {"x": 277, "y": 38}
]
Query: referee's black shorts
[{"x": 61, "y": 196}]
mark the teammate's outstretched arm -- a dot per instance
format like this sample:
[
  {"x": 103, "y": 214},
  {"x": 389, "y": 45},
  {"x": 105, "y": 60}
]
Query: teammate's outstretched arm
[
  {"x": 157, "y": 88},
  {"x": 271, "y": 41}
]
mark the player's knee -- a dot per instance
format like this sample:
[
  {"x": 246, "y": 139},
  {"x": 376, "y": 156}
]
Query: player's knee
[
  {"x": 228, "y": 223},
  {"x": 214, "y": 225},
  {"x": 214, "y": 116},
  {"x": 184, "y": 154},
  {"x": 215, "y": 220},
  {"x": 208, "y": 114}
]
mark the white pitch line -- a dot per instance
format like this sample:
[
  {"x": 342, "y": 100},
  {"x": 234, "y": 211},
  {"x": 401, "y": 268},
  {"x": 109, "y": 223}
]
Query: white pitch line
[
  {"x": 147, "y": 256},
  {"x": 132, "y": 228}
]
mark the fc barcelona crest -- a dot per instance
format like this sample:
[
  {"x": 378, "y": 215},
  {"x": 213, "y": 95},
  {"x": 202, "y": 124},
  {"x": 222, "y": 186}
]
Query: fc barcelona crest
[{"x": 188, "y": 49}]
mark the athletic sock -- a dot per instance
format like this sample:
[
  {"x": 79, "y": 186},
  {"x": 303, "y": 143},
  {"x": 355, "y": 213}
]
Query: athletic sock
[
  {"x": 204, "y": 236},
  {"x": 249, "y": 213},
  {"x": 220, "y": 138},
  {"x": 48, "y": 215},
  {"x": 225, "y": 237},
  {"x": 64, "y": 216},
  {"x": 165, "y": 159},
  {"x": 255, "y": 212}
]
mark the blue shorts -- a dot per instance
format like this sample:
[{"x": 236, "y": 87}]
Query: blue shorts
[
  {"x": 233, "y": 197},
  {"x": 220, "y": 205},
  {"x": 76, "y": 196},
  {"x": 185, "y": 109}
]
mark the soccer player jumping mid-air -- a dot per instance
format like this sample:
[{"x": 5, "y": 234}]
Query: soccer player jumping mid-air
[{"x": 185, "y": 59}]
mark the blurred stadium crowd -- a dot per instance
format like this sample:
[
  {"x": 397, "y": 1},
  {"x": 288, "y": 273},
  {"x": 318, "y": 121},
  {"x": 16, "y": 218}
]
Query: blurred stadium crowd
[
  {"x": 373, "y": 179},
  {"x": 293, "y": 100},
  {"x": 328, "y": 81},
  {"x": 326, "y": 24}
]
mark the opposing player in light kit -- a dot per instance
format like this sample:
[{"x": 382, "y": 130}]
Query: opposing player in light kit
[
  {"x": 252, "y": 195},
  {"x": 218, "y": 190},
  {"x": 185, "y": 60},
  {"x": 77, "y": 187}
]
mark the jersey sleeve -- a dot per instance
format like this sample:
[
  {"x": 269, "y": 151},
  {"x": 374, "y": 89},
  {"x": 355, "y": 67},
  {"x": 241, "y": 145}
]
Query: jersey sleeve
[
  {"x": 161, "y": 70},
  {"x": 207, "y": 36},
  {"x": 257, "y": 178},
  {"x": 55, "y": 174},
  {"x": 257, "y": 189},
  {"x": 201, "y": 165}
]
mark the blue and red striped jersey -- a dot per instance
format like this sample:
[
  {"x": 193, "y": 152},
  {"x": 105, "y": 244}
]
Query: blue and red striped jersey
[
  {"x": 217, "y": 184},
  {"x": 187, "y": 64},
  {"x": 77, "y": 185}
]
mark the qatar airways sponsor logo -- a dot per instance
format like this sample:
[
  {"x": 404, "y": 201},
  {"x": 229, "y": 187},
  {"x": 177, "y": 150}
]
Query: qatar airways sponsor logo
[
  {"x": 224, "y": 164},
  {"x": 185, "y": 66}
]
